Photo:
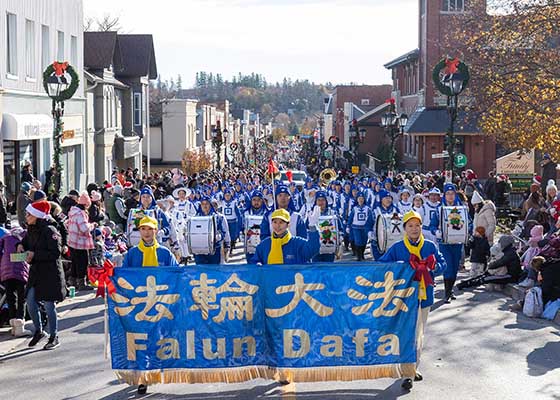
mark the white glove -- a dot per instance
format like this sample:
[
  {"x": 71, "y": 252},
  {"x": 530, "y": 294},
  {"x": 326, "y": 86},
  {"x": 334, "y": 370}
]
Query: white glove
[
  {"x": 348, "y": 230},
  {"x": 438, "y": 234},
  {"x": 314, "y": 216},
  {"x": 218, "y": 236},
  {"x": 370, "y": 235},
  {"x": 552, "y": 211}
]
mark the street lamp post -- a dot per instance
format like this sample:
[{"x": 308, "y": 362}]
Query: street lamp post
[
  {"x": 394, "y": 127},
  {"x": 225, "y": 136},
  {"x": 217, "y": 141},
  {"x": 357, "y": 136},
  {"x": 59, "y": 88},
  {"x": 451, "y": 76}
]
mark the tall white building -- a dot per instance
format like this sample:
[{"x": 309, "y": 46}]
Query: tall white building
[{"x": 33, "y": 34}]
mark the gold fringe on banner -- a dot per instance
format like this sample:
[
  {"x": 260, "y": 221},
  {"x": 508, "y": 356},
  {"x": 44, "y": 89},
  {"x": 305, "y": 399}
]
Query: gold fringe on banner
[{"x": 242, "y": 374}]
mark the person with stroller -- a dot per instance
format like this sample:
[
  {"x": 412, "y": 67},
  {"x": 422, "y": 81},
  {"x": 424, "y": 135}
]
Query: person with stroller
[{"x": 504, "y": 270}]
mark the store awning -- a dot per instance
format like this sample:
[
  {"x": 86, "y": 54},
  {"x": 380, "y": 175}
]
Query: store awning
[
  {"x": 126, "y": 147},
  {"x": 26, "y": 126}
]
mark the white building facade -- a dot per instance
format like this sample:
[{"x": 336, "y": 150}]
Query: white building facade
[{"x": 34, "y": 33}]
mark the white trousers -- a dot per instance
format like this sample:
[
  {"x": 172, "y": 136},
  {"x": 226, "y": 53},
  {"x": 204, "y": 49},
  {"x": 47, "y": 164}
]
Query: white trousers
[{"x": 420, "y": 327}]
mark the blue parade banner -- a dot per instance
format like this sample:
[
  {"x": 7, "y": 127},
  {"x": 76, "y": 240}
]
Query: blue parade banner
[{"x": 235, "y": 323}]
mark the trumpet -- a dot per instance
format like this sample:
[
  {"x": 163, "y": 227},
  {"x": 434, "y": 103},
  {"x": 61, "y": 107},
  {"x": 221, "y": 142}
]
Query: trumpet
[{"x": 327, "y": 176}]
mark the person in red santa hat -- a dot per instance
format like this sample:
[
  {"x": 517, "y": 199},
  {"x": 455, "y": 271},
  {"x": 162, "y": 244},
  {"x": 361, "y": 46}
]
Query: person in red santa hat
[{"x": 46, "y": 276}]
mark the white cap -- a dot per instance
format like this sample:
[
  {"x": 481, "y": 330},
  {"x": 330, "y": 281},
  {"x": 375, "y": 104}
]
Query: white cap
[{"x": 476, "y": 198}]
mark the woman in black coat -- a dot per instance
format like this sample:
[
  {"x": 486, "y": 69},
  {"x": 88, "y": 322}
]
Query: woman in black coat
[{"x": 46, "y": 276}]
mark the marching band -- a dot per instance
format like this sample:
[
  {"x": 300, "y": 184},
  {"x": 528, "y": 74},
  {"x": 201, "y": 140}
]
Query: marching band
[{"x": 207, "y": 221}]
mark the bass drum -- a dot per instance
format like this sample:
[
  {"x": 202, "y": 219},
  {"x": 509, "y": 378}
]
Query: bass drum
[
  {"x": 134, "y": 217},
  {"x": 454, "y": 224},
  {"x": 389, "y": 231},
  {"x": 329, "y": 234},
  {"x": 201, "y": 235},
  {"x": 252, "y": 233}
]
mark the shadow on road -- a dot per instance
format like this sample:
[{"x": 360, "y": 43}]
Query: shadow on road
[
  {"x": 545, "y": 359},
  {"x": 270, "y": 391}
]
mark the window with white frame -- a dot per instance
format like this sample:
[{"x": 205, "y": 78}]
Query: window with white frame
[
  {"x": 365, "y": 102},
  {"x": 45, "y": 47},
  {"x": 453, "y": 5},
  {"x": 137, "y": 109},
  {"x": 11, "y": 53},
  {"x": 74, "y": 51},
  {"x": 60, "y": 46},
  {"x": 30, "y": 49}
]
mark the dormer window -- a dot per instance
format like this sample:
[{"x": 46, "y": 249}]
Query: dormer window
[{"x": 453, "y": 6}]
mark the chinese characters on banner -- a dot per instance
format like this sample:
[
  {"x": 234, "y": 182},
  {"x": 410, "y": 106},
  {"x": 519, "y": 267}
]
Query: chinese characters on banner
[{"x": 270, "y": 319}]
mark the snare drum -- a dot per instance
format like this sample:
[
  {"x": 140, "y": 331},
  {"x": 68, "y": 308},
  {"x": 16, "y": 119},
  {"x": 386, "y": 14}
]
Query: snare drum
[
  {"x": 134, "y": 217},
  {"x": 252, "y": 233},
  {"x": 389, "y": 231},
  {"x": 328, "y": 234},
  {"x": 201, "y": 235},
  {"x": 454, "y": 224}
]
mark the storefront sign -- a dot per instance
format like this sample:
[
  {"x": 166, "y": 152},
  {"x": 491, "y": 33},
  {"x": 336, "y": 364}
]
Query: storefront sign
[
  {"x": 516, "y": 164},
  {"x": 18, "y": 127},
  {"x": 70, "y": 134}
]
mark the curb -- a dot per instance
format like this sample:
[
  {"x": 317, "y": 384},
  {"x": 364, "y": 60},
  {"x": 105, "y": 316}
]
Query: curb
[{"x": 518, "y": 293}]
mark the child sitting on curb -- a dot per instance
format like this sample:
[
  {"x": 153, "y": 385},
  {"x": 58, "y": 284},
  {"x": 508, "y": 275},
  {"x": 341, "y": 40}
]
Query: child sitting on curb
[{"x": 479, "y": 249}]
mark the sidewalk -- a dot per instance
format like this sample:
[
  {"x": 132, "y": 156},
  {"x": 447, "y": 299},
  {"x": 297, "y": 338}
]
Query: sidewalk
[{"x": 8, "y": 343}]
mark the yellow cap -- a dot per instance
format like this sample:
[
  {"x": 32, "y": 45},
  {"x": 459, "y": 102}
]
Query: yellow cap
[
  {"x": 148, "y": 221},
  {"x": 282, "y": 214},
  {"x": 411, "y": 215}
]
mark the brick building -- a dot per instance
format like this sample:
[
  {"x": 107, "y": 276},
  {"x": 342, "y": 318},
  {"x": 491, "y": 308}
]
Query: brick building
[
  {"x": 416, "y": 95},
  {"x": 350, "y": 102}
]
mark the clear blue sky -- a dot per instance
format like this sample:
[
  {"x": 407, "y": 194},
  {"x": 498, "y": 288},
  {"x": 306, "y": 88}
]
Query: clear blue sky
[{"x": 341, "y": 41}]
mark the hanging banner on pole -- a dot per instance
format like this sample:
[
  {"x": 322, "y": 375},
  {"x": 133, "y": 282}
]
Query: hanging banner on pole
[{"x": 304, "y": 323}]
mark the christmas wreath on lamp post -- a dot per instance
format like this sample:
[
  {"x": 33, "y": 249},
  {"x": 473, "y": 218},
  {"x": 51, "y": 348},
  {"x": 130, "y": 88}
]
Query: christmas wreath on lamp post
[{"x": 61, "y": 82}]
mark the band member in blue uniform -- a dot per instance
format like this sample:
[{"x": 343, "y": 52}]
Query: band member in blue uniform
[
  {"x": 385, "y": 207},
  {"x": 230, "y": 210},
  {"x": 222, "y": 234},
  {"x": 430, "y": 219},
  {"x": 282, "y": 247},
  {"x": 360, "y": 226},
  {"x": 415, "y": 244},
  {"x": 148, "y": 202},
  {"x": 404, "y": 204},
  {"x": 451, "y": 252},
  {"x": 256, "y": 208},
  {"x": 321, "y": 201},
  {"x": 297, "y": 225}
]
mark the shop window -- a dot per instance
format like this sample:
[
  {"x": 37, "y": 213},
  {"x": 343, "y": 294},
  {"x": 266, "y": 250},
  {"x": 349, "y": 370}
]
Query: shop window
[
  {"x": 30, "y": 49},
  {"x": 11, "y": 61},
  {"x": 60, "y": 46},
  {"x": 453, "y": 6},
  {"x": 45, "y": 47},
  {"x": 137, "y": 109}
]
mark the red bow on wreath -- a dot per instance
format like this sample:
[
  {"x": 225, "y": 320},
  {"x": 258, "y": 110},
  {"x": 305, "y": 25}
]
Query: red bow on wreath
[
  {"x": 102, "y": 275},
  {"x": 451, "y": 65},
  {"x": 60, "y": 68},
  {"x": 423, "y": 268}
]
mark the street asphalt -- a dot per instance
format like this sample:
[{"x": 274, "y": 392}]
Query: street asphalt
[{"x": 476, "y": 348}]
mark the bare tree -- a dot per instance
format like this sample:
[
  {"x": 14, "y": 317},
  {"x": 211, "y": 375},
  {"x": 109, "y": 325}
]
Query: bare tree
[{"x": 104, "y": 24}]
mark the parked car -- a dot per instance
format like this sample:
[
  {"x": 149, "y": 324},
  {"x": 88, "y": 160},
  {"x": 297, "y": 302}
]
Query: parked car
[{"x": 298, "y": 177}]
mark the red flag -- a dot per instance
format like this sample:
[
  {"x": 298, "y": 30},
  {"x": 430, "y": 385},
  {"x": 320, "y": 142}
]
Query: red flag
[
  {"x": 289, "y": 175},
  {"x": 272, "y": 168}
]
